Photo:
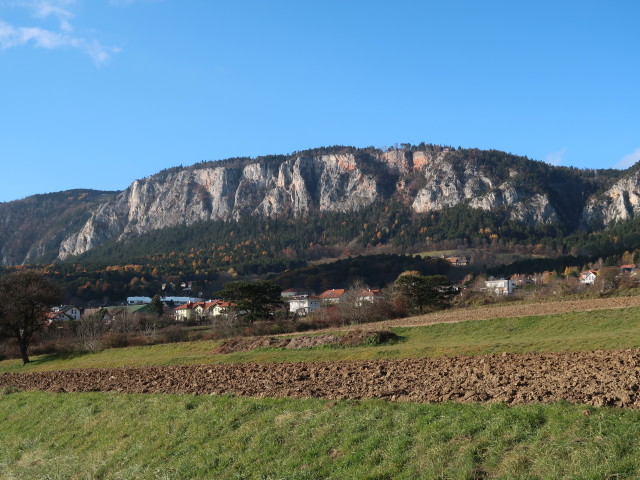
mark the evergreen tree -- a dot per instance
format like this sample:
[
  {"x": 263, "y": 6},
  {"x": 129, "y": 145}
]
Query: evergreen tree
[
  {"x": 255, "y": 300},
  {"x": 422, "y": 291},
  {"x": 156, "y": 305}
]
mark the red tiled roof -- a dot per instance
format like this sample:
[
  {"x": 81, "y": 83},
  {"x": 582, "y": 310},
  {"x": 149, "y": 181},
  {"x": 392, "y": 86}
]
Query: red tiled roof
[
  {"x": 333, "y": 293},
  {"x": 587, "y": 272},
  {"x": 205, "y": 305},
  {"x": 369, "y": 292},
  {"x": 186, "y": 306},
  {"x": 225, "y": 304}
]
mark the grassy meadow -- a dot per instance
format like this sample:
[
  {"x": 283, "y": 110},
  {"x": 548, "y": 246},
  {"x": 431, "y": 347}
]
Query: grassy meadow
[
  {"x": 109, "y": 436},
  {"x": 602, "y": 329},
  {"x": 117, "y": 436}
]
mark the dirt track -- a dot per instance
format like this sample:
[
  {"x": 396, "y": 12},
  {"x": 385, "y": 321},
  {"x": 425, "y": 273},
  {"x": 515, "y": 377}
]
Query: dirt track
[{"x": 594, "y": 378}]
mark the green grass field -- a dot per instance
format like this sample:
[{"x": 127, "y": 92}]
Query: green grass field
[
  {"x": 118, "y": 436},
  {"x": 603, "y": 329},
  {"x": 109, "y": 436}
]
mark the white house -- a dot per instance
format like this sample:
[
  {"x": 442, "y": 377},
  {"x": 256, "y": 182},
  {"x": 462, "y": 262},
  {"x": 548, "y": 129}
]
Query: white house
[
  {"x": 185, "y": 313},
  {"x": 304, "y": 304},
  {"x": 369, "y": 296},
  {"x": 499, "y": 287},
  {"x": 588, "y": 277},
  {"x": 201, "y": 310},
  {"x": 221, "y": 307},
  {"x": 64, "y": 313}
]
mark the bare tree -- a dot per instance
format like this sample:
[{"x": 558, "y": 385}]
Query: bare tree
[
  {"x": 26, "y": 298},
  {"x": 90, "y": 331}
]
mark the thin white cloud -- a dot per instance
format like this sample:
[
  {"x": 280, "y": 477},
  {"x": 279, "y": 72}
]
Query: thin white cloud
[
  {"x": 46, "y": 8},
  {"x": 555, "y": 158},
  {"x": 41, "y": 36},
  {"x": 43, "y": 9},
  {"x": 628, "y": 160},
  {"x": 11, "y": 37}
]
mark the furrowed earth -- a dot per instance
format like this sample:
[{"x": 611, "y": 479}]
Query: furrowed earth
[
  {"x": 597, "y": 378},
  {"x": 513, "y": 310}
]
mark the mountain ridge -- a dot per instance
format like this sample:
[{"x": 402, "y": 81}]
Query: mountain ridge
[{"x": 425, "y": 179}]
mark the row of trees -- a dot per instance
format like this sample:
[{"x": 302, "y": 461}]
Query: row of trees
[{"x": 417, "y": 293}]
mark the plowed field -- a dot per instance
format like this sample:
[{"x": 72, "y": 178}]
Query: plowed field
[
  {"x": 512, "y": 310},
  {"x": 593, "y": 378}
]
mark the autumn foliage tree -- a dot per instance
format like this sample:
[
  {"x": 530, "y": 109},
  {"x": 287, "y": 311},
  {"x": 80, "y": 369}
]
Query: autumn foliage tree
[{"x": 25, "y": 299}]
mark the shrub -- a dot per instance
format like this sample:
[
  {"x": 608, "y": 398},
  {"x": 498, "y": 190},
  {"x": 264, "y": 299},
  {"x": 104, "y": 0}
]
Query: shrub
[
  {"x": 8, "y": 350},
  {"x": 54, "y": 345},
  {"x": 116, "y": 340},
  {"x": 212, "y": 336},
  {"x": 174, "y": 334},
  {"x": 382, "y": 337}
]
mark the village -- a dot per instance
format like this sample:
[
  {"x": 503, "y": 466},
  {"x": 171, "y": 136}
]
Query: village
[{"x": 299, "y": 302}]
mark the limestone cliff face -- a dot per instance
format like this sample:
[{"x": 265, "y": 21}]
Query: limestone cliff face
[
  {"x": 620, "y": 202},
  {"x": 306, "y": 184},
  {"x": 449, "y": 184},
  {"x": 292, "y": 188}
]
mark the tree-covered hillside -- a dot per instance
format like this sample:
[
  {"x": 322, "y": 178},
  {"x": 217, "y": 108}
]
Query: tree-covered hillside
[
  {"x": 33, "y": 227},
  {"x": 255, "y": 244}
]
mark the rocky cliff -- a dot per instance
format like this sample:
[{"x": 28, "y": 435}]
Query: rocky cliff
[
  {"x": 306, "y": 183},
  {"x": 334, "y": 179},
  {"x": 620, "y": 202}
]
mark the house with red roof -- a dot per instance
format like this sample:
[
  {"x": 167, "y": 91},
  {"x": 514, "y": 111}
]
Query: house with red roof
[
  {"x": 201, "y": 311},
  {"x": 185, "y": 313},
  {"x": 333, "y": 296},
  {"x": 64, "y": 313},
  {"x": 367, "y": 295},
  {"x": 457, "y": 261},
  {"x": 588, "y": 277},
  {"x": 304, "y": 304},
  {"x": 221, "y": 307}
]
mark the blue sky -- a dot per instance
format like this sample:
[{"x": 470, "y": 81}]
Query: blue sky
[{"x": 97, "y": 93}]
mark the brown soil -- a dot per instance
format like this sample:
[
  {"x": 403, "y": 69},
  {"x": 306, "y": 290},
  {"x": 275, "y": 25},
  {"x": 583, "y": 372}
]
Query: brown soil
[
  {"x": 516, "y": 309},
  {"x": 594, "y": 378}
]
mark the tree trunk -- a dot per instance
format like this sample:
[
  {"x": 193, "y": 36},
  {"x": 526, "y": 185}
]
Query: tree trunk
[{"x": 23, "y": 353}]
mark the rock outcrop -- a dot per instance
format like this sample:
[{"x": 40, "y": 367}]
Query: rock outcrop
[
  {"x": 301, "y": 184},
  {"x": 620, "y": 202},
  {"x": 309, "y": 183}
]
